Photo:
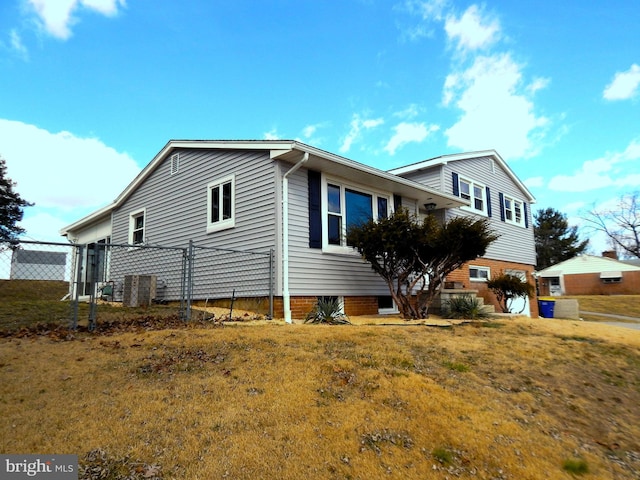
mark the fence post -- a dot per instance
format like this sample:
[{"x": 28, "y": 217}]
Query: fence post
[
  {"x": 76, "y": 286},
  {"x": 190, "y": 262},
  {"x": 271, "y": 280},
  {"x": 183, "y": 282},
  {"x": 93, "y": 305}
]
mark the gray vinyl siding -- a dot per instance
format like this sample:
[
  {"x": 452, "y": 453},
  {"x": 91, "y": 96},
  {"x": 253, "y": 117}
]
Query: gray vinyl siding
[
  {"x": 176, "y": 205},
  {"x": 430, "y": 178},
  {"x": 176, "y": 212},
  {"x": 312, "y": 272},
  {"x": 516, "y": 244}
]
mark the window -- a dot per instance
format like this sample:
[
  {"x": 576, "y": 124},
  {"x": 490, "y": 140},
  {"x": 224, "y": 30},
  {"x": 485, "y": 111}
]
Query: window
[
  {"x": 386, "y": 304},
  {"x": 221, "y": 204},
  {"x": 347, "y": 206},
  {"x": 175, "y": 163},
  {"x": 136, "y": 227},
  {"x": 479, "y": 274},
  {"x": 513, "y": 211},
  {"x": 475, "y": 193}
]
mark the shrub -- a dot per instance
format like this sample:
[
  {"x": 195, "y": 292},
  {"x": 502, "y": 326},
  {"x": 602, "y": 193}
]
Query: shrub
[
  {"x": 464, "y": 306},
  {"x": 507, "y": 287},
  {"x": 327, "y": 310}
]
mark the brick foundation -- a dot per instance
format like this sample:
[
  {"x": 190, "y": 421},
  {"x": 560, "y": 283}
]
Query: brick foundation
[
  {"x": 300, "y": 306},
  {"x": 462, "y": 276}
]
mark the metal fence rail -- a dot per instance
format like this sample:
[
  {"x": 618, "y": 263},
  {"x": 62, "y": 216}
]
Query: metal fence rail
[{"x": 108, "y": 275}]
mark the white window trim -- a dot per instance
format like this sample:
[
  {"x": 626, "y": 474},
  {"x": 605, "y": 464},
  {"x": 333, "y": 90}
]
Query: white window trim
[
  {"x": 513, "y": 202},
  {"x": 471, "y": 207},
  {"x": 229, "y": 222},
  {"x": 479, "y": 267},
  {"x": 326, "y": 180},
  {"x": 132, "y": 219}
]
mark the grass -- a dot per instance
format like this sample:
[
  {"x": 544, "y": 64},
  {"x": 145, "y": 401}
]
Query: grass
[
  {"x": 315, "y": 401},
  {"x": 625, "y": 305},
  {"x": 520, "y": 399}
]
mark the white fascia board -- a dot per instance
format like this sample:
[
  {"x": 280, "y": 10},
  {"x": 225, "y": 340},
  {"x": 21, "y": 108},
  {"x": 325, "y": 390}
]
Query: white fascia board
[
  {"x": 411, "y": 189},
  {"x": 444, "y": 159},
  {"x": 92, "y": 217},
  {"x": 277, "y": 145}
]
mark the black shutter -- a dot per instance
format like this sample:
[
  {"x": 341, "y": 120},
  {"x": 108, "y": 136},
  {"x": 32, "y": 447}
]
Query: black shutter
[
  {"x": 397, "y": 202},
  {"x": 456, "y": 185},
  {"x": 488, "y": 202},
  {"x": 526, "y": 216},
  {"x": 315, "y": 211},
  {"x": 501, "y": 198}
]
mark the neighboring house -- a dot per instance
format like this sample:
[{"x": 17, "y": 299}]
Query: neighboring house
[
  {"x": 38, "y": 265},
  {"x": 590, "y": 275},
  {"x": 299, "y": 200}
]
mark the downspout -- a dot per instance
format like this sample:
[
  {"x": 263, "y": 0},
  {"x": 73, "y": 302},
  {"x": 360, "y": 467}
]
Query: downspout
[{"x": 286, "y": 297}]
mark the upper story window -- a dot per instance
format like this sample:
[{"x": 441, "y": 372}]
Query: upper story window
[
  {"x": 472, "y": 191},
  {"x": 513, "y": 211},
  {"x": 136, "y": 227},
  {"x": 348, "y": 206},
  {"x": 221, "y": 204}
]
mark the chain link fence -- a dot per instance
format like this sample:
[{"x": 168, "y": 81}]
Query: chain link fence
[
  {"x": 225, "y": 278},
  {"x": 102, "y": 282},
  {"x": 36, "y": 280}
]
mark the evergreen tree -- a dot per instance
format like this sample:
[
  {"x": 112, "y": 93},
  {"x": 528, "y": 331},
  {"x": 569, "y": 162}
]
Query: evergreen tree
[
  {"x": 11, "y": 205},
  {"x": 555, "y": 240}
]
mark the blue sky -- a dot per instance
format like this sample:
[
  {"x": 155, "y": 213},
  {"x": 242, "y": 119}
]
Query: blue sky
[{"x": 91, "y": 90}]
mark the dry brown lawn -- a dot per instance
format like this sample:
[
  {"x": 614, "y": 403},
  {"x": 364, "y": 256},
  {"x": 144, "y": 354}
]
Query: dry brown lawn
[{"x": 507, "y": 399}]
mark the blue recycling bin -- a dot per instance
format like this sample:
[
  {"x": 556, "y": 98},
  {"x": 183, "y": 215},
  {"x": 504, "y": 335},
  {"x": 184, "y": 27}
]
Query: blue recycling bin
[{"x": 546, "y": 306}]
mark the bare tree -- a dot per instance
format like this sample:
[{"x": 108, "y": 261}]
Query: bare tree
[{"x": 621, "y": 224}]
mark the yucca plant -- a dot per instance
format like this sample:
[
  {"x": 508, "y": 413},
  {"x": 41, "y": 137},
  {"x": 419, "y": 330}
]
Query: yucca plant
[
  {"x": 464, "y": 306},
  {"x": 327, "y": 310}
]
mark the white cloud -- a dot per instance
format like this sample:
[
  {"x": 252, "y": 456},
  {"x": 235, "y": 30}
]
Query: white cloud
[
  {"x": 427, "y": 9},
  {"x": 272, "y": 135},
  {"x": 357, "y": 125},
  {"x": 65, "y": 175},
  {"x": 611, "y": 170},
  {"x": 473, "y": 30},
  {"x": 534, "y": 182},
  {"x": 309, "y": 130},
  {"x": 409, "y": 133},
  {"x": 496, "y": 113},
  {"x": 410, "y": 112},
  {"x": 624, "y": 84},
  {"x": 56, "y": 16},
  {"x": 18, "y": 46}
]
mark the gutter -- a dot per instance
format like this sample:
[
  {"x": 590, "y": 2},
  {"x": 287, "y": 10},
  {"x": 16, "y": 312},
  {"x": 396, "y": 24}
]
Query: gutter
[{"x": 286, "y": 297}]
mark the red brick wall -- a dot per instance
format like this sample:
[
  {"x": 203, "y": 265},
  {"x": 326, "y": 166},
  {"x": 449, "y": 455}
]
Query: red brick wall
[
  {"x": 462, "y": 275},
  {"x": 591, "y": 284},
  {"x": 300, "y": 306}
]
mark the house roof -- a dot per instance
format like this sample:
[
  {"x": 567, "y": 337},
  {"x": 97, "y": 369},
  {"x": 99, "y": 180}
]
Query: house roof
[
  {"x": 444, "y": 159},
  {"x": 290, "y": 151},
  {"x": 586, "y": 264}
]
